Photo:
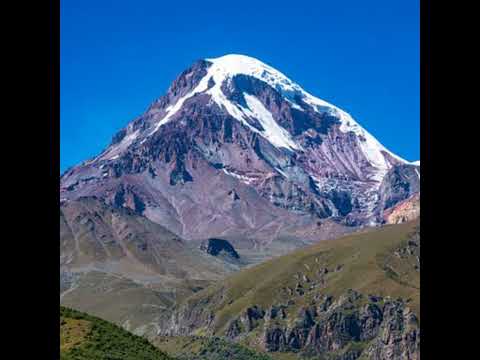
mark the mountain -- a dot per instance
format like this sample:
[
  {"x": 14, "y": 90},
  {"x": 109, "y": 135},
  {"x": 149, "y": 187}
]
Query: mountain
[
  {"x": 236, "y": 150},
  {"x": 356, "y": 297},
  {"x": 85, "y": 337},
  {"x": 96, "y": 235},
  {"x": 121, "y": 266},
  {"x": 237, "y": 164}
]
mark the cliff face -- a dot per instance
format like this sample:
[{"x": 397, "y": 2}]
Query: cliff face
[
  {"x": 406, "y": 210},
  {"x": 350, "y": 327},
  {"x": 347, "y": 329}
]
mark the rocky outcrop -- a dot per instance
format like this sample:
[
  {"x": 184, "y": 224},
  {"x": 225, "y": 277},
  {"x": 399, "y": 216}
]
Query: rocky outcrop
[
  {"x": 406, "y": 210},
  {"x": 217, "y": 246},
  {"x": 125, "y": 197},
  {"x": 401, "y": 182},
  {"x": 399, "y": 335},
  {"x": 352, "y": 326},
  {"x": 381, "y": 330}
]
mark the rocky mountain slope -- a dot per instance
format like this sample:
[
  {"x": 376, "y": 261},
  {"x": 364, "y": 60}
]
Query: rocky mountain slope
[
  {"x": 406, "y": 210},
  {"x": 351, "y": 298},
  {"x": 121, "y": 266},
  {"x": 238, "y": 151},
  {"x": 96, "y": 235}
]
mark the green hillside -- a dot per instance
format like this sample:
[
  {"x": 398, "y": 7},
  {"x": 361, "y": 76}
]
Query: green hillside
[
  {"x": 358, "y": 285},
  {"x": 85, "y": 337}
]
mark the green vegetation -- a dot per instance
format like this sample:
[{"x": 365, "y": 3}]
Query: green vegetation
[
  {"x": 200, "y": 348},
  {"x": 85, "y": 337},
  {"x": 364, "y": 262}
]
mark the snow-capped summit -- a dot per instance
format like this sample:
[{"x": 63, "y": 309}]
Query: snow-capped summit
[
  {"x": 235, "y": 125},
  {"x": 224, "y": 68}
]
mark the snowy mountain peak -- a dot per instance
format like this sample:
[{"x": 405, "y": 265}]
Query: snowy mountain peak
[
  {"x": 240, "y": 64},
  {"x": 215, "y": 75},
  {"x": 233, "y": 64},
  {"x": 223, "y": 69},
  {"x": 230, "y": 65},
  {"x": 235, "y": 125}
]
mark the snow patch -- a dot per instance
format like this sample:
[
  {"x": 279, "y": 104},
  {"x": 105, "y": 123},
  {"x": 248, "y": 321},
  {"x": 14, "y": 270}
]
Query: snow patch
[
  {"x": 247, "y": 180},
  {"x": 281, "y": 172},
  {"x": 418, "y": 174},
  {"x": 274, "y": 133},
  {"x": 114, "y": 152}
]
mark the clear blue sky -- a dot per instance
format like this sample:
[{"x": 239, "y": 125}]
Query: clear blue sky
[{"x": 118, "y": 56}]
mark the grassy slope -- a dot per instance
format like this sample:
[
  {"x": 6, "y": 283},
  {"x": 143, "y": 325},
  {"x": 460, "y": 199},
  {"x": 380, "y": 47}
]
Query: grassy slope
[
  {"x": 84, "y": 337},
  {"x": 117, "y": 299},
  {"x": 368, "y": 266}
]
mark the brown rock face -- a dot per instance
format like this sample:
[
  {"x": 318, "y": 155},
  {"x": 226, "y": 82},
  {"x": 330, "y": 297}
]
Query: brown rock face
[
  {"x": 95, "y": 235},
  {"x": 406, "y": 210}
]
